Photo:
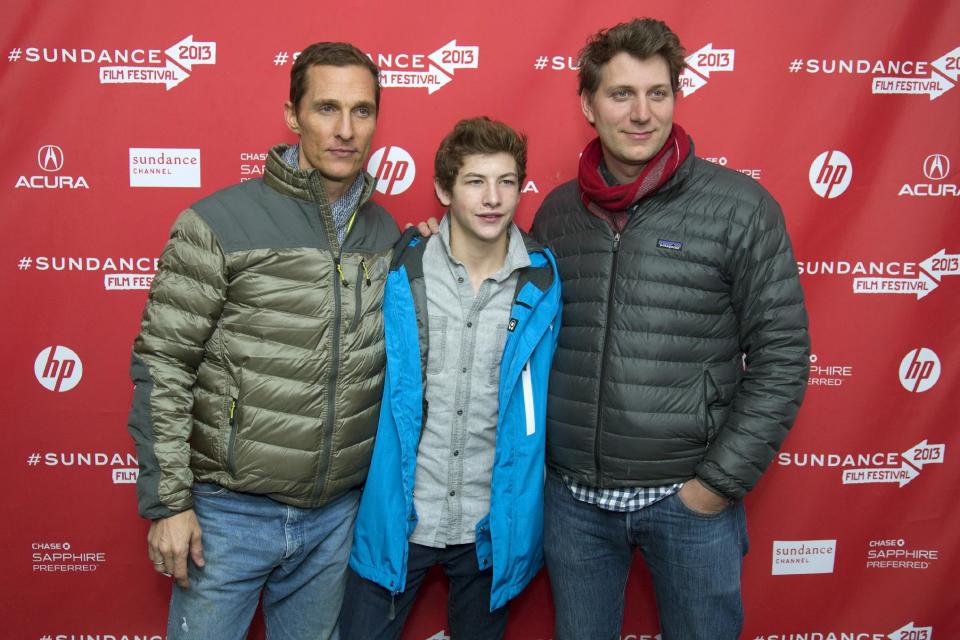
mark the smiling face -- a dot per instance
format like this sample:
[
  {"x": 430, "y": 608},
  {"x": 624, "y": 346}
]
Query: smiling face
[
  {"x": 483, "y": 198},
  {"x": 632, "y": 111},
  {"x": 335, "y": 119}
]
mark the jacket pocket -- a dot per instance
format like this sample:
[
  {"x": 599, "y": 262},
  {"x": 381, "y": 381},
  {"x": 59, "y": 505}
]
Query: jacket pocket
[
  {"x": 232, "y": 437},
  {"x": 496, "y": 355},
  {"x": 720, "y": 382}
]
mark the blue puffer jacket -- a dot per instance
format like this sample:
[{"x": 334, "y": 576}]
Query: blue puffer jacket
[{"x": 510, "y": 536}]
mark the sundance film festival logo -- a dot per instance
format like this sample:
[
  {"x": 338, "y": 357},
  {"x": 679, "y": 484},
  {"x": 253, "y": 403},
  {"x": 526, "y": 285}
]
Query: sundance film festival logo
[
  {"x": 127, "y": 66},
  {"x": 909, "y": 631},
  {"x": 792, "y": 557},
  {"x": 393, "y": 168},
  {"x": 936, "y": 168},
  {"x": 58, "y": 368},
  {"x": 164, "y": 167},
  {"x": 50, "y": 160},
  {"x": 124, "y": 468},
  {"x": 901, "y": 77},
  {"x": 701, "y": 63},
  {"x": 919, "y": 370},
  {"x": 830, "y": 174},
  {"x": 405, "y": 70},
  {"x": 139, "y": 271},
  {"x": 874, "y": 467}
]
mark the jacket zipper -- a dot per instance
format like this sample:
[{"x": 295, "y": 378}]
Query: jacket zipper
[
  {"x": 603, "y": 359},
  {"x": 232, "y": 441},
  {"x": 338, "y": 282},
  {"x": 362, "y": 275},
  {"x": 527, "y": 382}
]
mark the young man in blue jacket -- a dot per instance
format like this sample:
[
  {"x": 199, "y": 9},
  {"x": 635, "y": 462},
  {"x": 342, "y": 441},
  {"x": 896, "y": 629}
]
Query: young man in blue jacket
[{"x": 471, "y": 318}]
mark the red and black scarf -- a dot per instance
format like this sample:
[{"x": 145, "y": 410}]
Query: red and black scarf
[{"x": 612, "y": 202}]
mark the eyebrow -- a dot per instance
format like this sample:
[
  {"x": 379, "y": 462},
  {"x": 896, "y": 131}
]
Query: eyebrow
[
  {"x": 337, "y": 103},
  {"x": 510, "y": 174}
]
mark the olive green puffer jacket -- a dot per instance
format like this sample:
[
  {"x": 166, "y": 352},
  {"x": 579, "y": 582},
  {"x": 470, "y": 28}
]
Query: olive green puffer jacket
[{"x": 259, "y": 364}]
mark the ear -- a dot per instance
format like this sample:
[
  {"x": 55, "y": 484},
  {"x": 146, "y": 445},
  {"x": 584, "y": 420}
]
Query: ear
[
  {"x": 586, "y": 105},
  {"x": 290, "y": 117},
  {"x": 442, "y": 194}
]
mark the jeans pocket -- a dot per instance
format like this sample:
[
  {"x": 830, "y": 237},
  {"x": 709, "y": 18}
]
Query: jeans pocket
[
  {"x": 208, "y": 489},
  {"x": 686, "y": 509}
]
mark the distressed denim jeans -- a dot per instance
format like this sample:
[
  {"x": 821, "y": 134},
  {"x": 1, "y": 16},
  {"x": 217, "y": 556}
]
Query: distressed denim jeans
[
  {"x": 252, "y": 545},
  {"x": 695, "y": 561}
]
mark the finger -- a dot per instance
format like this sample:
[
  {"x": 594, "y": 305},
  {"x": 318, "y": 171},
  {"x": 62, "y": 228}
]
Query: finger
[
  {"x": 196, "y": 548},
  {"x": 424, "y": 229},
  {"x": 434, "y": 225},
  {"x": 180, "y": 569},
  {"x": 408, "y": 225}
]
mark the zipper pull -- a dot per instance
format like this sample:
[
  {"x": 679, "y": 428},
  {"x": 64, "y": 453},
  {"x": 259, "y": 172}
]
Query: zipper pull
[
  {"x": 343, "y": 279},
  {"x": 393, "y": 609},
  {"x": 366, "y": 274},
  {"x": 233, "y": 406},
  {"x": 616, "y": 242}
]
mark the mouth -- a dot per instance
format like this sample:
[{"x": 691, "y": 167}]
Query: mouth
[
  {"x": 490, "y": 218},
  {"x": 639, "y": 136},
  {"x": 342, "y": 152}
]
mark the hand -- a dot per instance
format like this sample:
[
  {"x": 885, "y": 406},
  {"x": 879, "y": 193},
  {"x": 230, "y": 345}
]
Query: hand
[
  {"x": 168, "y": 542},
  {"x": 697, "y": 497},
  {"x": 428, "y": 228}
]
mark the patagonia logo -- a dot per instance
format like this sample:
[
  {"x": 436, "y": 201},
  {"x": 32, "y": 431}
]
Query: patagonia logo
[
  {"x": 670, "y": 244},
  {"x": 512, "y": 325}
]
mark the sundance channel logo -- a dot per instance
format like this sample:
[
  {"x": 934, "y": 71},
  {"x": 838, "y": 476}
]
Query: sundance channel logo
[
  {"x": 164, "y": 167},
  {"x": 792, "y": 557}
]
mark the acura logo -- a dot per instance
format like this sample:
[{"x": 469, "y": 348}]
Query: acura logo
[
  {"x": 50, "y": 157},
  {"x": 936, "y": 166}
]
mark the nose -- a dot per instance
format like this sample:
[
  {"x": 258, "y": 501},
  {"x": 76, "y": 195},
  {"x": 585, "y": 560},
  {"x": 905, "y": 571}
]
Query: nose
[
  {"x": 344, "y": 129},
  {"x": 491, "y": 195},
  {"x": 640, "y": 110}
]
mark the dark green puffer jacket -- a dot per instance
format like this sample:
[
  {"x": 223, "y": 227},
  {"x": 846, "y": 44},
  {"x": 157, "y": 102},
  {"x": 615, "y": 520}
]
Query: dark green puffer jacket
[
  {"x": 648, "y": 385},
  {"x": 259, "y": 365}
]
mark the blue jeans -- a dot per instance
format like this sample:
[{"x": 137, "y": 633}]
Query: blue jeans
[
  {"x": 252, "y": 545},
  {"x": 695, "y": 561},
  {"x": 371, "y": 612}
]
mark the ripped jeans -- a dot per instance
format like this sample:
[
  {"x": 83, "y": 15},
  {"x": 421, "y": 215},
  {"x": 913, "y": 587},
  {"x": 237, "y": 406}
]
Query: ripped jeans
[{"x": 252, "y": 545}]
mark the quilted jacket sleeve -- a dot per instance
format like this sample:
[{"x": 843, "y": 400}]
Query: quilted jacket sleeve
[
  {"x": 182, "y": 311},
  {"x": 768, "y": 300}
]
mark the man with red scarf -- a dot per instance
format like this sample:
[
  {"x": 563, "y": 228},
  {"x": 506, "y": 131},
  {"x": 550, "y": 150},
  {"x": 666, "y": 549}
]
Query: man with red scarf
[{"x": 682, "y": 357}]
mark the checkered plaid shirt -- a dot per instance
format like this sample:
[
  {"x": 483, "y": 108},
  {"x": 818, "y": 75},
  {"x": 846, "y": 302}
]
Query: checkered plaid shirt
[{"x": 621, "y": 498}]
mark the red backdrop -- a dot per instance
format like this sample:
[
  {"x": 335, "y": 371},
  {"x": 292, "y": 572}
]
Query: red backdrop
[{"x": 849, "y": 113}]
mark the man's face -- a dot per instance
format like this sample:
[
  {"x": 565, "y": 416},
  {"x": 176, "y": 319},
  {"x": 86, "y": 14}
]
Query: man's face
[
  {"x": 335, "y": 120},
  {"x": 484, "y": 197},
  {"x": 632, "y": 111}
]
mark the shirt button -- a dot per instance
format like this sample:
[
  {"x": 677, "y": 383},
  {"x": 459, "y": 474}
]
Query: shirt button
[
  {"x": 469, "y": 324},
  {"x": 464, "y": 370},
  {"x": 459, "y": 412},
  {"x": 456, "y": 453},
  {"x": 453, "y": 493},
  {"x": 460, "y": 279}
]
